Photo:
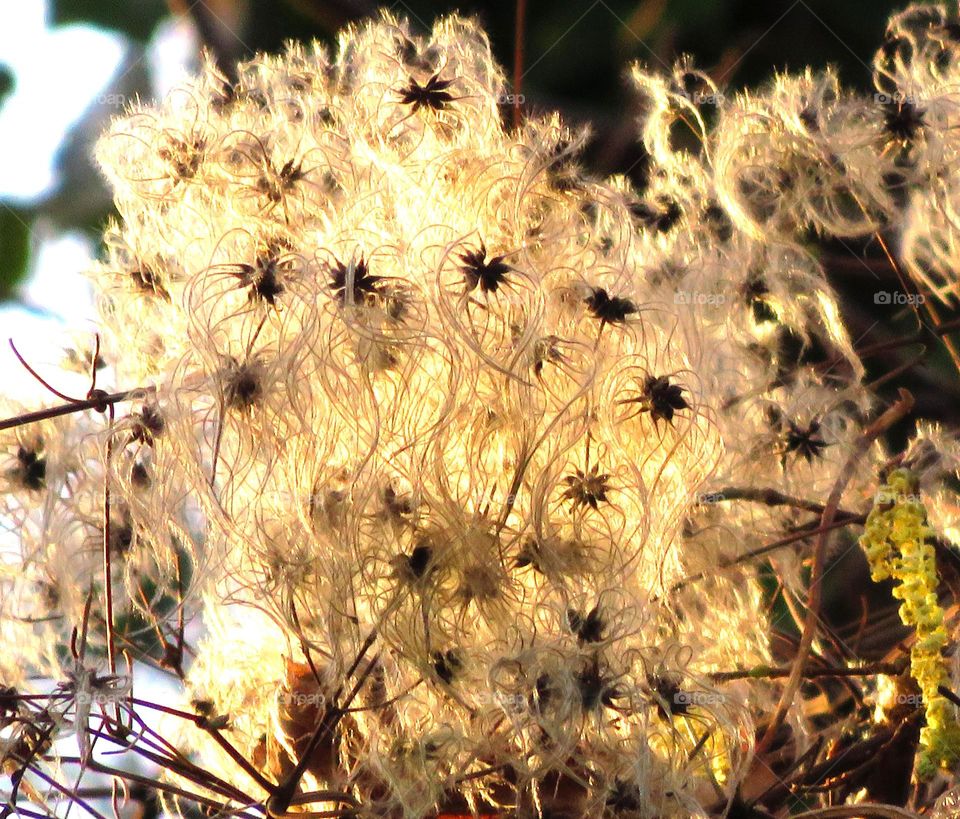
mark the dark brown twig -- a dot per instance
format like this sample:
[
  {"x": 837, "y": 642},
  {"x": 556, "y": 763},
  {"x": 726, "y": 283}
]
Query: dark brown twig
[
  {"x": 771, "y": 673},
  {"x": 862, "y": 811},
  {"x": 769, "y": 497},
  {"x": 926, "y": 302},
  {"x": 205, "y": 724},
  {"x": 73, "y": 406},
  {"x": 788, "y": 540}
]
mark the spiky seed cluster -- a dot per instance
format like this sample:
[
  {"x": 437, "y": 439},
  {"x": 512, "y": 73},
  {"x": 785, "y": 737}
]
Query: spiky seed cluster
[{"x": 419, "y": 381}]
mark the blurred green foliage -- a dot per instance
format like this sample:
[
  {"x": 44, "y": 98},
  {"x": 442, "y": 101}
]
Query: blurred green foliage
[
  {"x": 135, "y": 18},
  {"x": 7, "y": 81},
  {"x": 14, "y": 248}
]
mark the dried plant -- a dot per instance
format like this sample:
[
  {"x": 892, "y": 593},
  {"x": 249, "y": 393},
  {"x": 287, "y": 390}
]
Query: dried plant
[{"x": 465, "y": 459}]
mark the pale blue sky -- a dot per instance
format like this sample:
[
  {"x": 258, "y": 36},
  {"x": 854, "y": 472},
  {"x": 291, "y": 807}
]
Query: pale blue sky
[{"x": 59, "y": 74}]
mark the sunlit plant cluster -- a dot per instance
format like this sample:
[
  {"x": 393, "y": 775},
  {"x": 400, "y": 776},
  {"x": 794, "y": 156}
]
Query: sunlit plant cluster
[{"x": 459, "y": 454}]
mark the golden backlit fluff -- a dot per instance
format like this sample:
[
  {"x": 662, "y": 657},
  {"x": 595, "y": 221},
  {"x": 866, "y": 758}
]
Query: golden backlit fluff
[
  {"x": 917, "y": 74},
  {"x": 415, "y": 375}
]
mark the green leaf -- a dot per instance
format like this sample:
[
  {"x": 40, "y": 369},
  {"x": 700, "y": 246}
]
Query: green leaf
[
  {"x": 138, "y": 20},
  {"x": 14, "y": 248}
]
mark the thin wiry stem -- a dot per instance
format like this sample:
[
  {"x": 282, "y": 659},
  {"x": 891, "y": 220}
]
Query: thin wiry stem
[
  {"x": 788, "y": 540},
  {"x": 927, "y": 303},
  {"x": 73, "y": 406},
  {"x": 186, "y": 769},
  {"x": 815, "y": 588},
  {"x": 282, "y": 797},
  {"x": 39, "y": 377},
  {"x": 108, "y": 560},
  {"x": 913, "y": 338},
  {"x": 896, "y": 372},
  {"x": 129, "y": 776},
  {"x": 769, "y": 497},
  {"x": 861, "y": 811},
  {"x": 73, "y": 796},
  {"x": 204, "y": 723},
  {"x": 762, "y": 672}
]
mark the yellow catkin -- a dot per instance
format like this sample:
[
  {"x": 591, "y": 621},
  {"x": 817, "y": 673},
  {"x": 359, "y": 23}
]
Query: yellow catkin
[{"x": 895, "y": 541}]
